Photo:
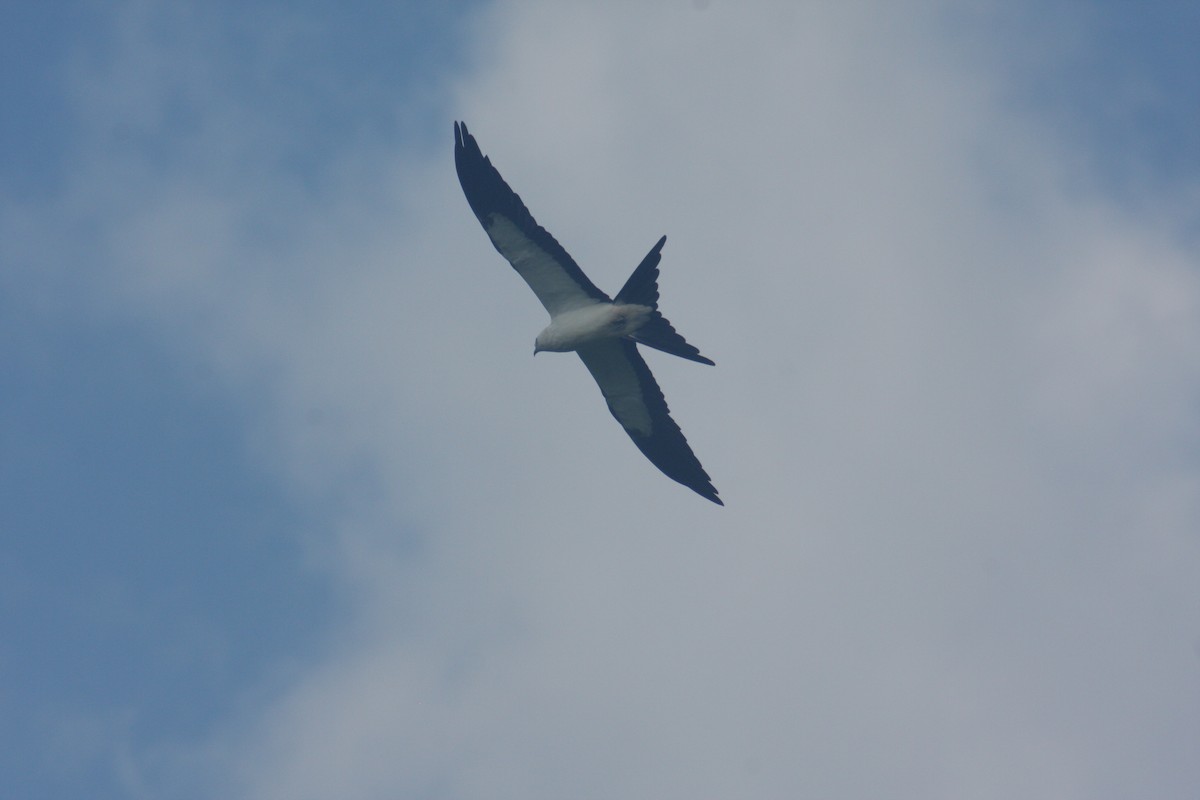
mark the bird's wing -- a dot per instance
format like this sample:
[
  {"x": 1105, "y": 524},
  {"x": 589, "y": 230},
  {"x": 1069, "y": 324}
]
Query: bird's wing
[
  {"x": 638, "y": 404},
  {"x": 552, "y": 274}
]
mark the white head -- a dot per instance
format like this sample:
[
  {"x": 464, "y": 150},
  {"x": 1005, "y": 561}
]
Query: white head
[{"x": 546, "y": 341}]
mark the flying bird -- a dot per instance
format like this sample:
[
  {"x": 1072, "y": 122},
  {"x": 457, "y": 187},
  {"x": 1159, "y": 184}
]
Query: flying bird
[{"x": 604, "y": 331}]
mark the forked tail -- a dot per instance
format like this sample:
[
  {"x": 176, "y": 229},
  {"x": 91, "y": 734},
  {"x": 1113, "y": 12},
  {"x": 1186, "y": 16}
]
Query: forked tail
[{"x": 642, "y": 289}]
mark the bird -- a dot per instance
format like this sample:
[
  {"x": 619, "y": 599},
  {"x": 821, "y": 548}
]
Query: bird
[{"x": 605, "y": 332}]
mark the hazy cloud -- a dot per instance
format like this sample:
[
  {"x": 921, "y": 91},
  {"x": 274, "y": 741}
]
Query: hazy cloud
[{"x": 954, "y": 417}]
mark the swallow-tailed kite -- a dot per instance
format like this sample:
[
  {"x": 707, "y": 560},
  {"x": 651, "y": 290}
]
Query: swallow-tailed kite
[{"x": 602, "y": 330}]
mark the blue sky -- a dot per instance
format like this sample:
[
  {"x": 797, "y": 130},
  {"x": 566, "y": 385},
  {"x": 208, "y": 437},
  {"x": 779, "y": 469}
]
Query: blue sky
[{"x": 288, "y": 510}]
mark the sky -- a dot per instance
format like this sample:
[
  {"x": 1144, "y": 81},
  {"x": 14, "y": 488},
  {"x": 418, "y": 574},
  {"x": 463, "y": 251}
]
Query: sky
[{"x": 287, "y": 510}]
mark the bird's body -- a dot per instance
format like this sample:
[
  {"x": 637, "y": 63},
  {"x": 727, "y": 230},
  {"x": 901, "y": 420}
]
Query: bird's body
[
  {"x": 602, "y": 330},
  {"x": 573, "y": 329}
]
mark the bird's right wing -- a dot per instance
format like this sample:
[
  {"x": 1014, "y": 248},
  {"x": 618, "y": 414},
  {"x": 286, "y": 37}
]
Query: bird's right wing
[
  {"x": 638, "y": 404},
  {"x": 552, "y": 274}
]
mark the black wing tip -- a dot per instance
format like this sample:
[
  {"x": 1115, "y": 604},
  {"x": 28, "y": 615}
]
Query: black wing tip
[
  {"x": 485, "y": 190},
  {"x": 464, "y": 143},
  {"x": 683, "y": 468},
  {"x": 467, "y": 154},
  {"x": 666, "y": 447},
  {"x": 700, "y": 484},
  {"x": 674, "y": 458}
]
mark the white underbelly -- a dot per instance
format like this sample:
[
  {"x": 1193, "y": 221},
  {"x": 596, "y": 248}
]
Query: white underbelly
[{"x": 573, "y": 329}]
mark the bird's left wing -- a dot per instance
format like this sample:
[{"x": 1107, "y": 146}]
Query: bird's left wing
[
  {"x": 552, "y": 274},
  {"x": 638, "y": 404}
]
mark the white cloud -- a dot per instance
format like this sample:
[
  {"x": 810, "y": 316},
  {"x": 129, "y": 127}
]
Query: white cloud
[{"x": 952, "y": 417}]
